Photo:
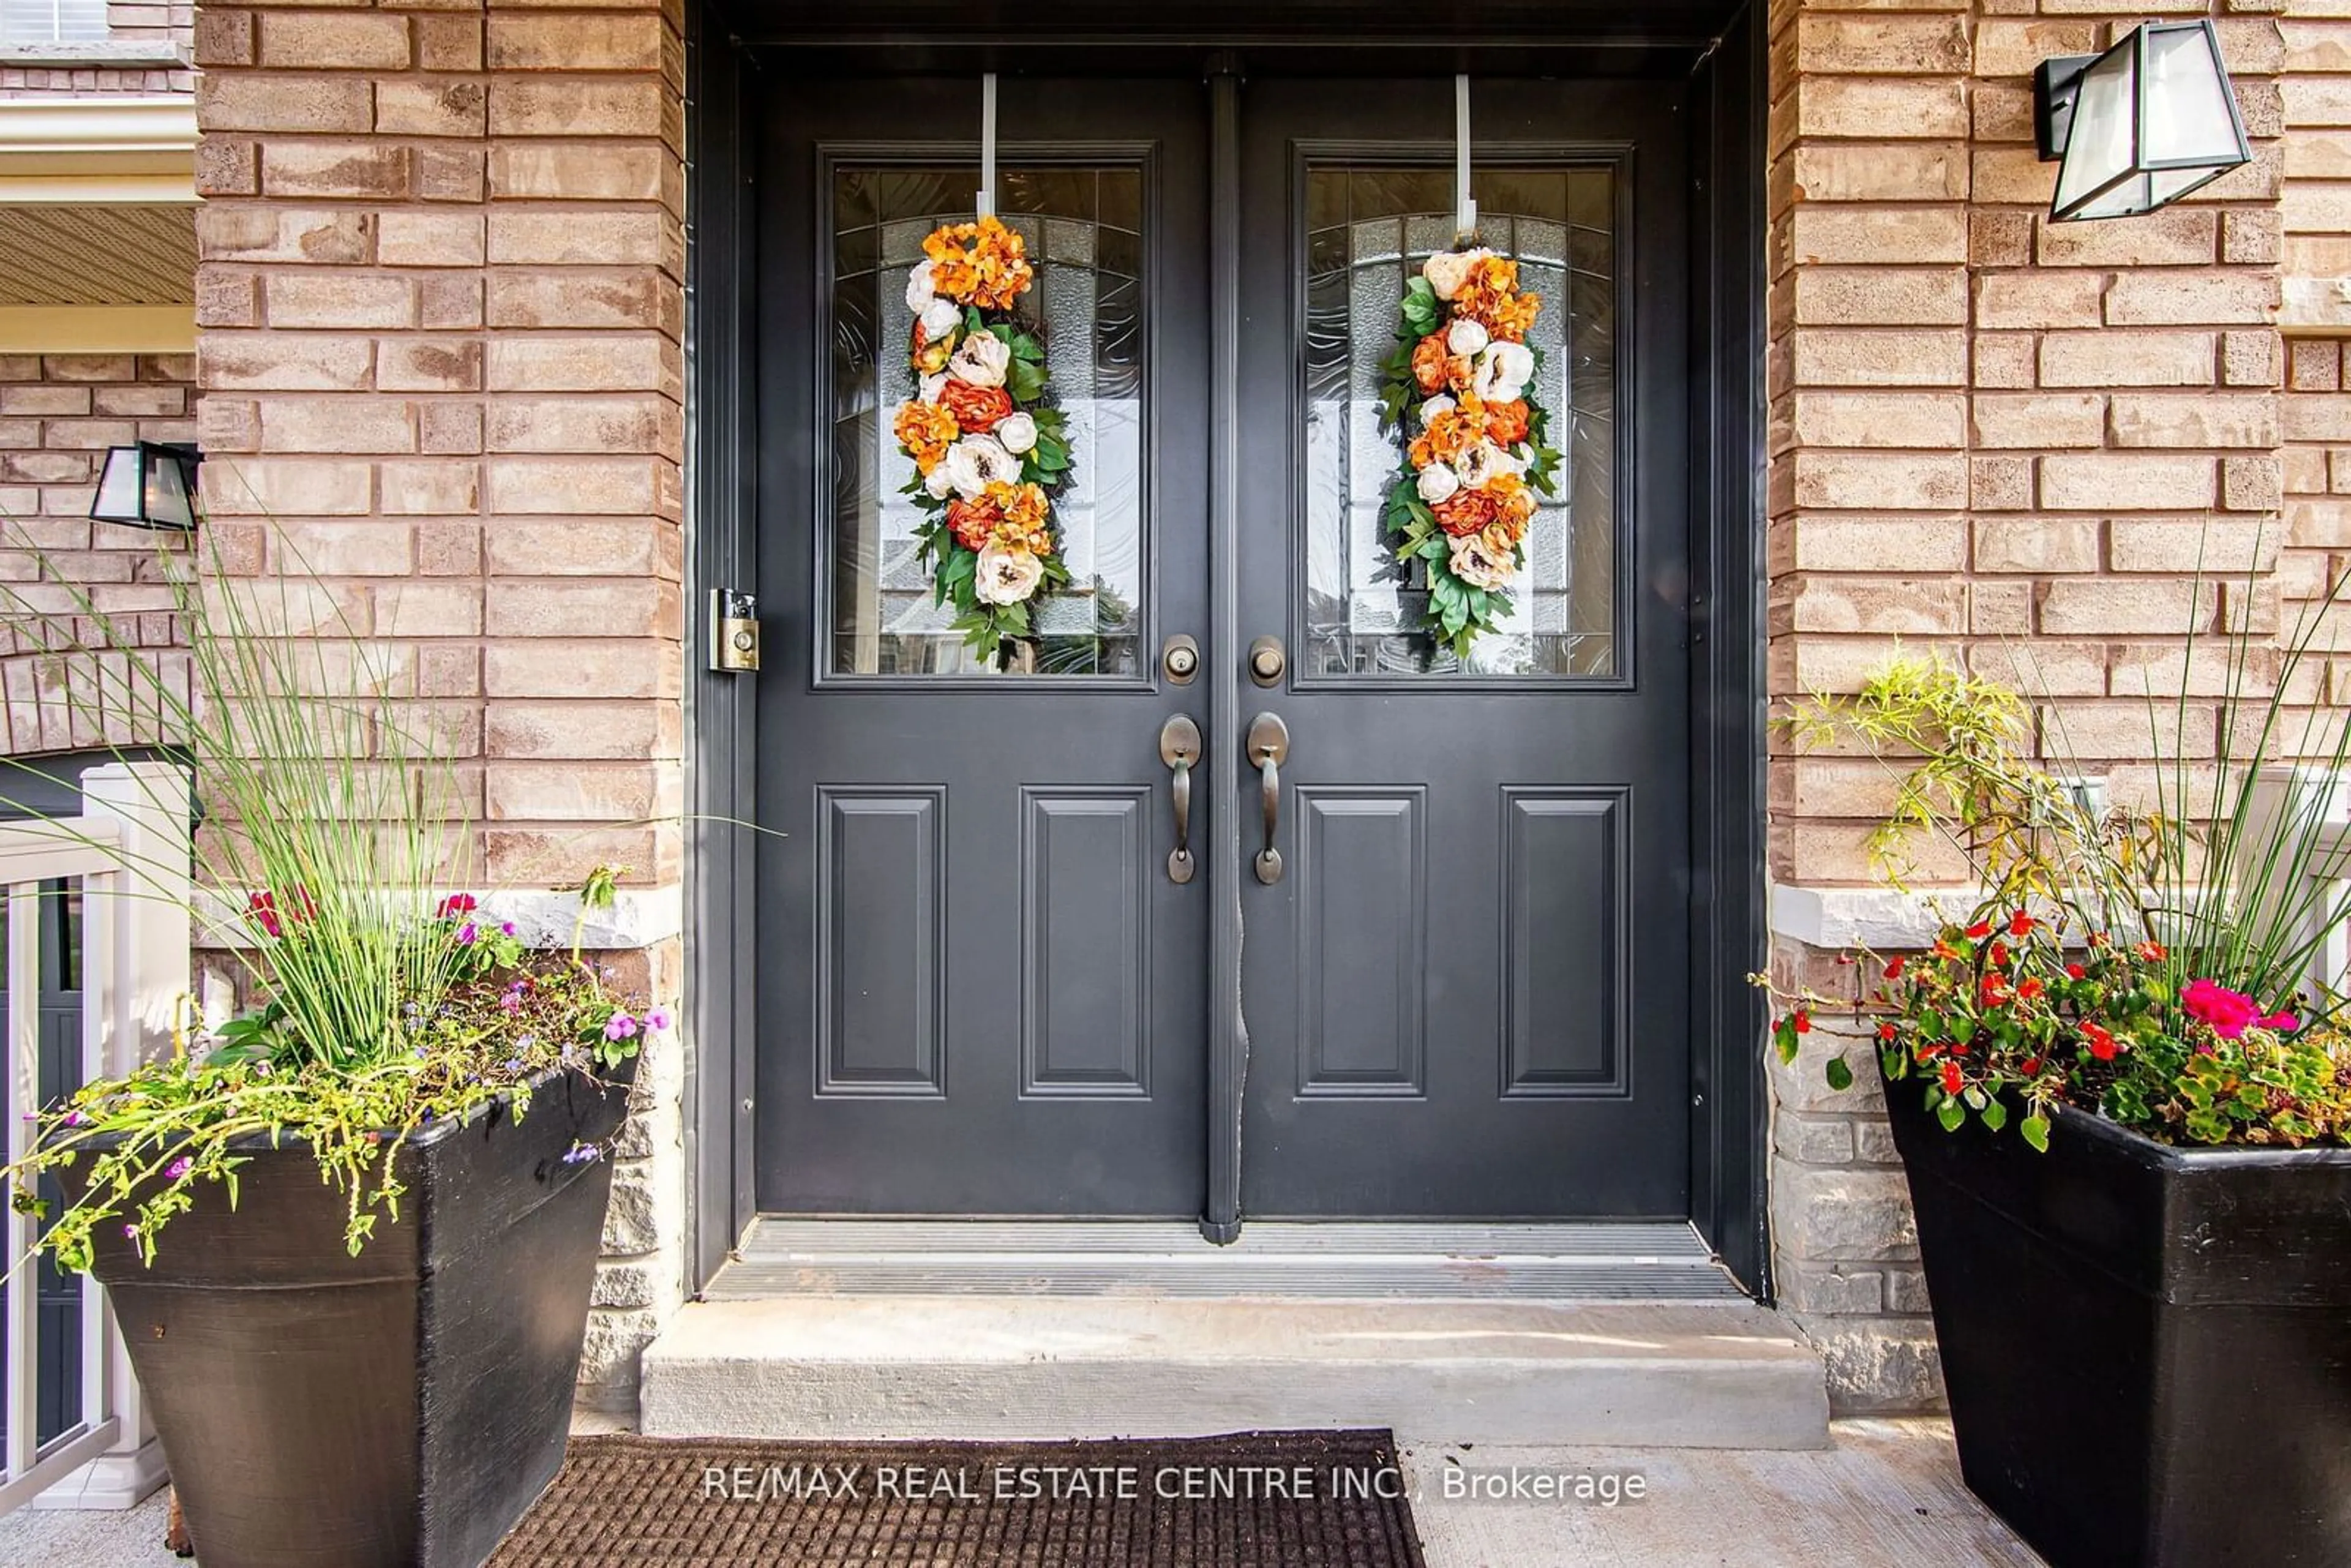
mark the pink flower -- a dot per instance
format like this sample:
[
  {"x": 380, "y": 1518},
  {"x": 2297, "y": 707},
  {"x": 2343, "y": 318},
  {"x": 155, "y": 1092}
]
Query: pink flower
[
  {"x": 511, "y": 1001},
  {"x": 619, "y": 1026},
  {"x": 657, "y": 1021},
  {"x": 2229, "y": 1012},
  {"x": 178, "y": 1169},
  {"x": 456, "y": 903},
  {"x": 467, "y": 934},
  {"x": 2285, "y": 1023}
]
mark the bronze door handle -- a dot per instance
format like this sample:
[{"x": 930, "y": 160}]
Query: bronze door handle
[
  {"x": 1269, "y": 748},
  {"x": 1179, "y": 748}
]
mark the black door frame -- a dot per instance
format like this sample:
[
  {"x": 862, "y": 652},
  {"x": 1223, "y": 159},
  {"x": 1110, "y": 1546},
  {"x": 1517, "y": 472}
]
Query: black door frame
[{"x": 1721, "y": 51}]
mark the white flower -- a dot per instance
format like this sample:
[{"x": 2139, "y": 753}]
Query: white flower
[
  {"x": 940, "y": 319},
  {"x": 1478, "y": 465},
  {"x": 933, "y": 384},
  {"x": 976, "y": 462},
  {"x": 982, "y": 359},
  {"x": 1436, "y": 408},
  {"x": 1476, "y": 564},
  {"x": 938, "y": 482},
  {"x": 1466, "y": 337},
  {"x": 1502, "y": 371},
  {"x": 1006, "y": 576},
  {"x": 1017, "y": 431},
  {"x": 1438, "y": 483},
  {"x": 919, "y": 291},
  {"x": 1447, "y": 270}
]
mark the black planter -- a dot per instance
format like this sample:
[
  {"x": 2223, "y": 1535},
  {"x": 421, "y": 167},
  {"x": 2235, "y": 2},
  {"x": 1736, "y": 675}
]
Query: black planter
[
  {"x": 2147, "y": 1349},
  {"x": 399, "y": 1409}
]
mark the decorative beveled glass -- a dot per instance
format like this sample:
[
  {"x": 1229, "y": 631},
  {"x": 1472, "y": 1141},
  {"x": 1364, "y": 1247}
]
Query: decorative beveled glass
[
  {"x": 1084, "y": 227},
  {"x": 1369, "y": 227}
]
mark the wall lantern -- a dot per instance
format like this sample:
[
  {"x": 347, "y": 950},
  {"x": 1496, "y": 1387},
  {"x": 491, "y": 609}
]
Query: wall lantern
[
  {"x": 149, "y": 485},
  {"x": 2139, "y": 125}
]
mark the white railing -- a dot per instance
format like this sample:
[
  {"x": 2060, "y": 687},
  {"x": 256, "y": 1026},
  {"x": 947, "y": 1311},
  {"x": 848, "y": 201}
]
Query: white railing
[
  {"x": 2313, "y": 806},
  {"x": 129, "y": 851}
]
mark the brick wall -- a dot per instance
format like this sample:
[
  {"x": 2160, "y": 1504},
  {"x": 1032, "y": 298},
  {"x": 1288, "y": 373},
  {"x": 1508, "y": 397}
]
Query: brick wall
[
  {"x": 440, "y": 310},
  {"x": 58, "y": 414},
  {"x": 146, "y": 53},
  {"x": 2006, "y": 441}
]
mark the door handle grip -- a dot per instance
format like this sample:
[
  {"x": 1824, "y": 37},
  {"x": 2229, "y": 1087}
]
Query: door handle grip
[
  {"x": 1269, "y": 748},
  {"x": 1179, "y": 748}
]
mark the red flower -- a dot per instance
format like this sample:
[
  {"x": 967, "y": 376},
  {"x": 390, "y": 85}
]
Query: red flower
[
  {"x": 2032, "y": 1067},
  {"x": 2075, "y": 972},
  {"x": 2021, "y": 923},
  {"x": 1945, "y": 950},
  {"x": 1894, "y": 967},
  {"x": 1979, "y": 930},
  {"x": 2030, "y": 990},
  {"x": 1804, "y": 1021},
  {"x": 2000, "y": 955},
  {"x": 2102, "y": 1044},
  {"x": 1951, "y": 1077},
  {"x": 1885, "y": 1031},
  {"x": 456, "y": 903},
  {"x": 2151, "y": 951},
  {"x": 1995, "y": 987},
  {"x": 263, "y": 911}
]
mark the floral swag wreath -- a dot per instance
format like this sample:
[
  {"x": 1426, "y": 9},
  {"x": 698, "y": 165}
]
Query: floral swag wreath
[
  {"x": 1456, "y": 394},
  {"x": 989, "y": 454}
]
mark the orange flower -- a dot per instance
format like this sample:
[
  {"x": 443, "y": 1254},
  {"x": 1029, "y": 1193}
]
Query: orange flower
[
  {"x": 975, "y": 409},
  {"x": 1450, "y": 435},
  {"x": 1507, "y": 423},
  {"x": 925, "y": 431},
  {"x": 973, "y": 522},
  {"x": 1467, "y": 512},
  {"x": 1512, "y": 316},
  {"x": 983, "y": 264},
  {"x": 1025, "y": 510},
  {"x": 1502, "y": 537},
  {"x": 1430, "y": 363}
]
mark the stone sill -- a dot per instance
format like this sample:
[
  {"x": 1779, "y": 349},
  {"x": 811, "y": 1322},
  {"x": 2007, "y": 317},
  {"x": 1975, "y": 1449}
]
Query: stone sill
[
  {"x": 1877, "y": 917},
  {"x": 640, "y": 918},
  {"x": 112, "y": 54}
]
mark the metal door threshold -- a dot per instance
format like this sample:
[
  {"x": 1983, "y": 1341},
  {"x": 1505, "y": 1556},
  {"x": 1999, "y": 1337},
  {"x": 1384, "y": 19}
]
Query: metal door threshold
[{"x": 1282, "y": 1259}]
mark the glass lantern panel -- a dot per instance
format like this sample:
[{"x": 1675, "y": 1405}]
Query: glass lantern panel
[
  {"x": 2099, "y": 146},
  {"x": 2188, "y": 116}
]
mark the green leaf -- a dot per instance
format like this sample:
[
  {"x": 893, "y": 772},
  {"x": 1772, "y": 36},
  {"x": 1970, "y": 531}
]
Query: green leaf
[
  {"x": 1784, "y": 1037},
  {"x": 1840, "y": 1076},
  {"x": 1950, "y": 1113},
  {"x": 1994, "y": 1114},
  {"x": 2035, "y": 1129}
]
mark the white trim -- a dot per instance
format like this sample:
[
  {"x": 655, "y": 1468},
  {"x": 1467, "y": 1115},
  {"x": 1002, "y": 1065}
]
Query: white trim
[
  {"x": 89, "y": 150},
  {"x": 97, "y": 328},
  {"x": 1876, "y": 917}
]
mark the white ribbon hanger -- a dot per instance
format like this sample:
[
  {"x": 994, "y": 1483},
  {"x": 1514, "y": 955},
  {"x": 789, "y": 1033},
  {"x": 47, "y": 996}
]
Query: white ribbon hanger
[
  {"x": 987, "y": 198},
  {"x": 1465, "y": 214}
]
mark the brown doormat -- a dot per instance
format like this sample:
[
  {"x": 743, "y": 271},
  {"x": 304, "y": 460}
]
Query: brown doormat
[{"x": 1253, "y": 1500}]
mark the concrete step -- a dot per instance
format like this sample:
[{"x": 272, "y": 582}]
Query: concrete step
[{"x": 1726, "y": 1375}]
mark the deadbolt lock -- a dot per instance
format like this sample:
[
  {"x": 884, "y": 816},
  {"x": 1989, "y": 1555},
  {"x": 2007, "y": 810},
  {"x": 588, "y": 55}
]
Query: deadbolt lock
[
  {"x": 1180, "y": 660},
  {"x": 734, "y": 631},
  {"x": 1267, "y": 661}
]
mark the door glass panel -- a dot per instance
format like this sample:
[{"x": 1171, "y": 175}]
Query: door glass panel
[
  {"x": 1084, "y": 227},
  {"x": 1368, "y": 229}
]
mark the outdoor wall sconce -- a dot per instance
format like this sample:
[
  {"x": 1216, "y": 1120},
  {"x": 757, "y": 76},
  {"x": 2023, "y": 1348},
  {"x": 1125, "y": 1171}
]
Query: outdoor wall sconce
[
  {"x": 2139, "y": 125},
  {"x": 149, "y": 485}
]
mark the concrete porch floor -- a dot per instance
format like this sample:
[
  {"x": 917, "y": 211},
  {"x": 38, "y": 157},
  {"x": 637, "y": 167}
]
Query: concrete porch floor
[{"x": 1883, "y": 1491}]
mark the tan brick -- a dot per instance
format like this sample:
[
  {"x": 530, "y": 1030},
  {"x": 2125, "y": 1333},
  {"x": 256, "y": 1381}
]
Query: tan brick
[
  {"x": 1895, "y": 236},
  {"x": 317, "y": 236},
  {"x": 2251, "y": 238},
  {"x": 449, "y": 302},
  {"x": 1997, "y": 238},
  {"x": 2106, "y": 606},
  {"x": 1880, "y": 357},
  {"x": 435, "y": 106},
  {"x": 428, "y": 486},
  {"x": 429, "y": 364},
  {"x": 412, "y": 238},
  {"x": 2252, "y": 482},
  {"x": 2004, "y": 48},
  {"x": 448, "y": 43},
  {"x": 448, "y": 173},
  {"x": 376, "y": 546},
  {"x": 584, "y": 607},
  {"x": 593, "y": 546},
  {"x": 2011, "y": 299},
  {"x": 2136, "y": 358},
  {"x": 450, "y": 428},
  {"x": 638, "y": 297},
  {"x": 285, "y": 486},
  {"x": 2181, "y": 299},
  {"x": 2186, "y": 546},
  {"x": 603, "y": 362},
  {"x": 268, "y": 361},
  {"x": 2252, "y": 358},
  {"x": 2144, "y": 419},
  {"x": 354, "y": 169},
  {"x": 642, "y": 423},
  {"x": 223, "y": 37},
  {"x": 612, "y": 791},
  {"x": 2010, "y": 175},
  {"x": 1881, "y": 605},
  {"x": 1880, "y": 419},
  {"x": 2005, "y": 359},
  {"x": 346, "y": 40},
  {"x": 591, "y": 236},
  {"x": 1879, "y": 481},
  {"x": 555, "y": 171},
  {"x": 2128, "y": 730},
  {"x": 576, "y": 43},
  {"x": 581, "y": 107},
  {"x": 598, "y": 667},
  {"x": 2100, "y": 482},
  {"x": 337, "y": 425},
  {"x": 1880, "y": 295},
  {"x": 2173, "y": 236},
  {"x": 2039, "y": 545},
  {"x": 1836, "y": 543},
  {"x": 576, "y": 484},
  {"x": 1880, "y": 171},
  {"x": 2038, "y": 420},
  {"x": 277, "y": 101},
  {"x": 1876, "y": 108},
  {"x": 227, "y": 166},
  {"x": 339, "y": 299},
  {"x": 577, "y": 729},
  {"x": 2312, "y": 366}
]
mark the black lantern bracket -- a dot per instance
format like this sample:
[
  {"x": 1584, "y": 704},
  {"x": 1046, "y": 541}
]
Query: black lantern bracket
[{"x": 150, "y": 485}]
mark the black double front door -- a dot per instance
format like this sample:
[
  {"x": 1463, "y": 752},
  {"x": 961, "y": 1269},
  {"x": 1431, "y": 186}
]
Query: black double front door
[{"x": 982, "y": 989}]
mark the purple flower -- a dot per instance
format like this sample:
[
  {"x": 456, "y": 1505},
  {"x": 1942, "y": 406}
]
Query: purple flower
[
  {"x": 178, "y": 1169},
  {"x": 131, "y": 1231},
  {"x": 468, "y": 934},
  {"x": 620, "y": 1026},
  {"x": 511, "y": 1001},
  {"x": 506, "y": 927},
  {"x": 658, "y": 1021},
  {"x": 73, "y": 1119},
  {"x": 584, "y": 1154}
]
